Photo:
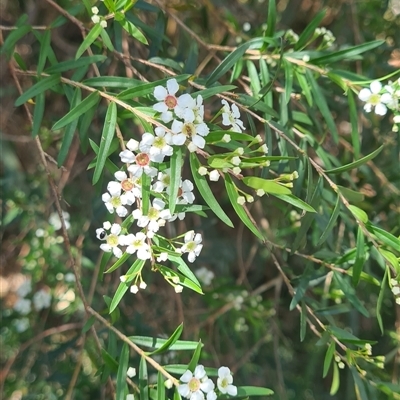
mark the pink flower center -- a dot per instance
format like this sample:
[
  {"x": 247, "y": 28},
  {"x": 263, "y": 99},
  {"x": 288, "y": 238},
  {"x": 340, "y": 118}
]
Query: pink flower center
[
  {"x": 142, "y": 159},
  {"x": 171, "y": 101},
  {"x": 127, "y": 185}
]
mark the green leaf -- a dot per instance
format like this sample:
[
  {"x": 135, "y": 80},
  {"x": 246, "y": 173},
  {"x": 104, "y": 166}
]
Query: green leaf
[
  {"x": 109, "y": 164},
  {"x": 361, "y": 215},
  {"x": 323, "y": 107},
  {"x": 122, "y": 387},
  {"x": 233, "y": 196},
  {"x": 69, "y": 130},
  {"x": 74, "y": 64},
  {"x": 39, "y": 87},
  {"x": 110, "y": 362},
  {"x": 267, "y": 185},
  {"x": 12, "y": 39},
  {"x": 170, "y": 342},
  {"x": 227, "y": 63},
  {"x": 309, "y": 30},
  {"x": 387, "y": 238},
  {"x": 157, "y": 343},
  {"x": 118, "y": 263},
  {"x": 106, "y": 40},
  {"x": 184, "y": 268},
  {"x": 88, "y": 324},
  {"x": 45, "y": 45},
  {"x": 76, "y": 111},
  {"x": 195, "y": 358},
  {"x": 335, "y": 380},
  {"x": 348, "y": 53},
  {"x": 271, "y": 19},
  {"x": 331, "y": 222},
  {"x": 355, "y": 164},
  {"x": 89, "y": 39},
  {"x": 304, "y": 86},
  {"x": 359, "y": 384},
  {"x": 160, "y": 387},
  {"x": 111, "y": 82},
  {"x": 176, "y": 173},
  {"x": 355, "y": 135},
  {"x": 146, "y": 183},
  {"x": 206, "y": 93},
  {"x": 351, "y": 195},
  {"x": 250, "y": 391},
  {"x": 380, "y": 301},
  {"x": 38, "y": 113},
  {"x": 19, "y": 60},
  {"x": 360, "y": 257},
  {"x": 288, "y": 79},
  {"x": 303, "y": 321},
  {"x": 124, "y": 286},
  {"x": 300, "y": 290},
  {"x": 295, "y": 201},
  {"x": 106, "y": 139},
  {"x": 143, "y": 380},
  {"x": 205, "y": 191},
  {"x": 391, "y": 258},
  {"x": 328, "y": 358},
  {"x": 132, "y": 30}
]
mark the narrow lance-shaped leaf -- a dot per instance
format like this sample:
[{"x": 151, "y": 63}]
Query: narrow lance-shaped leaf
[
  {"x": 309, "y": 30},
  {"x": 335, "y": 380},
  {"x": 89, "y": 39},
  {"x": 195, "y": 358},
  {"x": 380, "y": 300},
  {"x": 206, "y": 192},
  {"x": 355, "y": 164},
  {"x": 38, "y": 113},
  {"x": 331, "y": 223},
  {"x": 233, "y": 197},
  {"x": 74, "y": 64},
  {"x": 76, "y": 111},
  {"x": 132, "y": 30},
  {"x": 44, "y": 49},
  {"x": 106, "y": 139},
  {"x": 271, "y": 19},
  {"x": 69, "y": 130},
  {"x": 323, "y": 106},
  {"x": 143, "y": 380},
  {"x": 12, "y": 39},
  {"x": 295, "y": 201},
  {"x": 122, "y": 386},
  {"x": 328, "y": 358},
  {"x": 303, "y": 321},
  {"x": 360, "y": 257},
  {"x": 176, "y": 172},
  {"x": 171, "y": 341},
  {"x": 267, "y": 185},
  {"x": 355, "y": 136},
  {"x": 39, "y": 87},
  {"x": 160, "y": 387},
  {"x": 253, "y": 391}
]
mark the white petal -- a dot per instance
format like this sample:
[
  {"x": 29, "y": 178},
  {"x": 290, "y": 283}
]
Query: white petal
[
  {"x": 158, "y": 204},
  {"x": 380, "y": 109},
  {"x": 121, "y": 175},
  {"x": 184, "y": 390},
  {"x": 232, "y": 390},
  {"x": 189, "y": 236},
  {"x": 187, "y": 185},
  {"x": 364, "y": 94},
  {"x": 202, "y": 129},
  {"x": 225, "y": 119},
  {"x": 375, "y": 86},
  {"x": 199, "y": 371},
  {"x": 199, "y": 141},
  {"x": 207, "y": 386},
  {"x": 132, "y": 145},
  {"x": 235, "y": 111},
  {"x": 176, "y": 126},
  {"x": 115, "y": 229},
  {"x": 121, "y": 211},
  {"x": 160, "y": 107},
  {"x": 167, "y": 116},
  {"x": 127, "y": 156},
  {"x": 117, "y": 252},
  {"x": 160, "y": 93},
  {"x": 114, "y": 188},
  {"x": 179, "y": 140},
  {"x": 172, "y": 86},
  {"x": 106, "y": 197},
  {"x": 191, "y": 256}
]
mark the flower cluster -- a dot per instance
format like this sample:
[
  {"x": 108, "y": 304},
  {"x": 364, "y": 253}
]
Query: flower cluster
[
  {"x": 97, "y": 19},
  {"x": 140, "y": 193},
  {"x": 395, "y": 286},
  {"x": 198, "y": 386},
  {"x": 382, "y": 98}
]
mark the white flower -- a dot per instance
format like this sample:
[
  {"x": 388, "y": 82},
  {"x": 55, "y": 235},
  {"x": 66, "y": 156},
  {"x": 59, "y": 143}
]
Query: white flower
[
  {"x": 196, "y": 384},
  {"x": 178, "y": 288},
  {"x": 396, "y": 290},
  {"x": 22, "y": 306},
  {"x": 185, "y": 192},
  {"x": 127, "y": 156},
  {"x": 134, "y": 289},
  {"x": 390, "y": 97},
  {"x": 95, "y": 19},
  {"x": 396, "y": 119},
  {"x": 192, "y": 245},
  {"x": 241, "y": 200},
  {"x": 235, "y": 160},
  {"x": 103, "y": 23},
  {"x": 116, "y": 202},
  {"x": 156, "y": 146},
  {"x": 155, "y": 217},
  {"x": 226, "y": 138},
  {"x": 163, "y": 181},
  {"x": 142, "y": 164},
  {"x": 189, "y": 108},
  {"x": 143, "y": 285},
  {"x": 263, "y": 149},
  {"x": 131, "y": 372},
  {"x": 130, "y": 186},
  {"x": 69, "y": 277},
  {"x": 189, "y": 130},
  {"x": 162, "y": 257},
  {"x": 113, "y": 239},
  {"x": 55, "y": 222},
  {"x": 41, "y": 299},
  {"x": 373, "y": 98},
  {"x": 202, "y": 171},
  {"x": 123, "y": 278},
  {"x": 224, "y": 382},
  {"x": 260, "y": 192},
  {"x": 167, "y": 99},
  {"x": 236, "y": 170},
  {"x": 95, "y": 10},
  {"x": 232, "y": 118},
  {"x": 128, "y": 396},
  {"x": 205, "y": 276},
  {"x": 21, "y": 325},
  {"x": 214, "y": 175},
  {"x": 25, "y": 288},
  {"x": 250, "y": 199},
  {"x": 137, "y": 243}
]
